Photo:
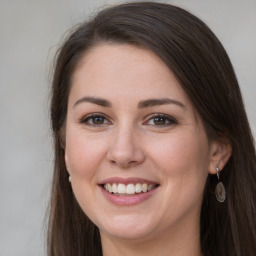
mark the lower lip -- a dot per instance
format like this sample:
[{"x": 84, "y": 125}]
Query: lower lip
[{"x": 130, "y": 199}]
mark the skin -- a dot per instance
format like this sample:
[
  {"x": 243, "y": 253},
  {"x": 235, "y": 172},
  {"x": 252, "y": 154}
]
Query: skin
[{"x": 126, "y": 141}]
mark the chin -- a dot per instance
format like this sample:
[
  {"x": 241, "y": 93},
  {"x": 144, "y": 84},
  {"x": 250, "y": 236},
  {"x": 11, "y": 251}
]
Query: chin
[{"x": 128, "y": 228}]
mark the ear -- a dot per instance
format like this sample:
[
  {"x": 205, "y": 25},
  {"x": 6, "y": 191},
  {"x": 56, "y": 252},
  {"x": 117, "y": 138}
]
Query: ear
[
  {"x": 220, "y": 152},
  {"x": 62, "y": 139},
  {"x": 67, "y": 162}
]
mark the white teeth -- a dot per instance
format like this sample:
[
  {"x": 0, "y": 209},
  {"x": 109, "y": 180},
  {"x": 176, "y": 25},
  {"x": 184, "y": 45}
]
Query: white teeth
[
  {"x": 121, "y": 189},
  {"x": 114, "y": 188},
  {"x": 144, "y": 187},
  {"x": 110, "y": 190},
  {"x": 138, "y": 188},
  {"x": 129, "y": 189}
]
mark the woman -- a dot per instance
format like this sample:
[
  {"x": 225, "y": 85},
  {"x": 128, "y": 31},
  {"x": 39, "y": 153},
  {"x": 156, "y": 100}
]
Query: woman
[{"x": 153, "y": 151}]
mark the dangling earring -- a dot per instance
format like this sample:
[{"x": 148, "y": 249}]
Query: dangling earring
[
  {"x": 69, "y": 179},
  {"x": 220, "y": 191}
]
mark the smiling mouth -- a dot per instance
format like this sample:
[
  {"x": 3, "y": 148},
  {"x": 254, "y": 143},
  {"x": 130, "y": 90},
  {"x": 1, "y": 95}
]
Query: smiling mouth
[{"x": 120, "y": 189}]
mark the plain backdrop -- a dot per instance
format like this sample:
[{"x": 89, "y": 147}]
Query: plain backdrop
[{"x": 30, "y": 32}]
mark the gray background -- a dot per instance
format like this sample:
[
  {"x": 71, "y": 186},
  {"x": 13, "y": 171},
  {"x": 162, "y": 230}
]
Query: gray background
[{"x": 30, "y": 32}]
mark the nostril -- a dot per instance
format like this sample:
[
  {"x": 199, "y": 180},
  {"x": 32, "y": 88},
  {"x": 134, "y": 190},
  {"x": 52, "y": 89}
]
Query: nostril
[{"x": 125, "y": 158}]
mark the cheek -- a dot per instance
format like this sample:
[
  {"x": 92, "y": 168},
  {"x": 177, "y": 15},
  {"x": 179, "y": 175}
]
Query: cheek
[
  {"x": 183, "y": 159},
  {"x": 83, "y": 154}
]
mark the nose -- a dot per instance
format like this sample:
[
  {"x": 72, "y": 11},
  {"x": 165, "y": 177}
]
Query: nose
[{"x": 125, "y": 150}]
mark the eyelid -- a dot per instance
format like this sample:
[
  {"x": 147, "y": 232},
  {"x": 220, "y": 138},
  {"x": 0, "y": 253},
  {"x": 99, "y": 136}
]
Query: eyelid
[
  {"x": 169, "y": 118},
  {"x": 107, "y": 121},
  {"x": 87, "y": 117}
]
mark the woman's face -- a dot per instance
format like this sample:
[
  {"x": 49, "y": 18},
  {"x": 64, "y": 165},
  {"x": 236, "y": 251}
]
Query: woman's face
[{"x": 131, "y": 128}]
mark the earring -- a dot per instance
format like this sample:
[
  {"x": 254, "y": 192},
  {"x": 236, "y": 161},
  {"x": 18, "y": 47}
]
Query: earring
[
  {"x": 220, "y": 191},
  {"x": 69, "y": 179}
]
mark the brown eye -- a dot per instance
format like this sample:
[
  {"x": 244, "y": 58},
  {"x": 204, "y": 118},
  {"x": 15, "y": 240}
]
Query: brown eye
[
  {"x": 161, "y": 121},
  {"x": 95, "y": 120}
]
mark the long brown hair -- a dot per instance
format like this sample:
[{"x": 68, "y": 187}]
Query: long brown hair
[{"x": 200, "y": 64}]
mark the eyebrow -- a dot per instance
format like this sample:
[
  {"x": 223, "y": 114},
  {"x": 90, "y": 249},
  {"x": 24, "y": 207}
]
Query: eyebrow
[
  {"x": 158, "y": 102},
  {"x": 94, "y": 100},
  {"x": 142, "y": 104}
]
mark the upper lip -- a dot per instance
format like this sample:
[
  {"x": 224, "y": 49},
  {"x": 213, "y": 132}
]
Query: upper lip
[{"x": 126, "y": 181}]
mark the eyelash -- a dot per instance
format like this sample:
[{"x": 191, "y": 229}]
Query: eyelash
[
  {"x": 168, "y": 120},
  {"x": 86, "y": 120}
]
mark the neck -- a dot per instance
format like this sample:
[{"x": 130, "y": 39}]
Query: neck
[{"x": 177, "y": 241}]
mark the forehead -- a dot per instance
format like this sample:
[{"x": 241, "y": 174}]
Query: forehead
[
  {"x": 125, "y": 67},
  {"x": 126, "y": 75},
  {"x": 108, "y": 58}
]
